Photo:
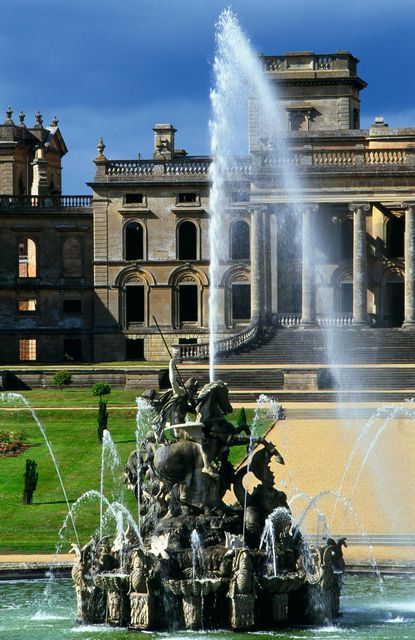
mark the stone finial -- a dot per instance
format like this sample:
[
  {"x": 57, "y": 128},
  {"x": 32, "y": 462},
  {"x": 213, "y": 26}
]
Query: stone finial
[
  {"x": 22, "y": 116},
  {"x": 9, "y": 113},
  {"x": 379, "y": 122},
  {"x": 54, "y": 122},
  {"x": 38, "y": 120},
  {"x": 100, "y": 147}
]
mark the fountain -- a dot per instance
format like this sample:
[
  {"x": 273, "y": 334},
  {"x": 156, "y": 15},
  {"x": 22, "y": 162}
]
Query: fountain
[
  {"x": 190, "y": 561},
  {"x": 239, "y": 567}
]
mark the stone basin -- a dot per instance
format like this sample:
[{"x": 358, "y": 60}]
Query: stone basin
[
  {"x": 118, "y": 582},
  {"x": 283, "y": 582},
  {"x": 197, "y": 587}
]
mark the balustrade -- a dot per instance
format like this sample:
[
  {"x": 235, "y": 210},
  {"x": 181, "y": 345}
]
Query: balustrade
[
  {"x": 288, "y": 319},
  {"x": 45, "y": 202},
  {"x": 335, "y": 320},
  {"x": 334, "y": 157},
  {"x": 225, "y": 345},
  {"x": 129, "y": 167},
  {"x": 242, "y": 166},
  {"x": 385, "y": 156}
]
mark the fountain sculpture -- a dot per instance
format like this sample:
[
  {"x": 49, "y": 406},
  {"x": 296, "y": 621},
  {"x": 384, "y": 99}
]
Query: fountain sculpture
[{"x": 197, "y": 562}]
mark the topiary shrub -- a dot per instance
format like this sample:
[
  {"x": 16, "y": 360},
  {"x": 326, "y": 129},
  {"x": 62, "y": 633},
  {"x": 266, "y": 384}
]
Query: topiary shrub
[
  {"x": 30, "y": 477},
  {"x": 101, "y": 389},
  {"x": 62, "y": 379},
  {"x": 241, "y": 417},
  {"x": 102, "y": 419}
]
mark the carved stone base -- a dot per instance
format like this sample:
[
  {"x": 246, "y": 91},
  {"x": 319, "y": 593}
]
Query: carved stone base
[
  {"x": 242, "y": 611},
  {"x": 142, "y": 611},
  {"x": 279, "y": 602},
  {"x": 118, "y": 609},
  {"x": 193, "y": 612},
  {"x": 90, "y": 605}
]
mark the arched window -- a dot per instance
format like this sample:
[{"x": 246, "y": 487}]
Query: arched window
[
  {"x": 240, "y": 240},
  {"x": 72, "y": 258},
  {"x": 187, "y": 241},
  {"x": 27, "y": 258},
  {"x": 395, "y": 231},
  {"x": 134, "y": 241}
]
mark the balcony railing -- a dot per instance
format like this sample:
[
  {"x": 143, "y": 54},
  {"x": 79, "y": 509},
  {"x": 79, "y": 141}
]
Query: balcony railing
[
  {"x": 44, "y": 202},
  {"x": 193, "y": 166},
  {"x": 341, "y": 158},
  {"x": 225, "y": 345},
  {"x": 271, "y": 161},
  {"x": 340, "y": 61},
  {"x": 340, "y": 319}
]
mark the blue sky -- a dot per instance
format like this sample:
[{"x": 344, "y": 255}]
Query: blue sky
[{"x": 115, "y": 68}]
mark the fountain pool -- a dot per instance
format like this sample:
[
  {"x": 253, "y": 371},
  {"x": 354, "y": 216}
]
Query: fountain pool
[{"x": 24, "y": 613}]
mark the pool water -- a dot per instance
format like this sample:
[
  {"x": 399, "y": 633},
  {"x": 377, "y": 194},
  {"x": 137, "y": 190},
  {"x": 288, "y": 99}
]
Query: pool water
[{"x": 42, "y": 610}]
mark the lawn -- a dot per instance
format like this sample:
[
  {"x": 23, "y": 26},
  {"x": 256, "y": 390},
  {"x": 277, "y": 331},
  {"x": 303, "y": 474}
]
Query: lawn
[
  {"x": 73, "y": 437},
  {"x": 68, "y": 397}
]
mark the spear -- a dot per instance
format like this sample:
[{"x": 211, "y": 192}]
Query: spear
[{"x": 169, "y": 352}]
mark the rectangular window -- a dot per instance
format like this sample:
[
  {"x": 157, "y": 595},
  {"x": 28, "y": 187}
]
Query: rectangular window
[
  {"x": 134, "y": 198},
  {"x": 27, "y": 258},
  {"x": 134, "y": 349},
  {"x": 134, "y": 303},
  {"x": 346, "y": 297},
  {"x": 72, "y": 350},
  {"x": 27, "y": 349},
  {"x": 187, "y": 198},
  {"x": 72, "y": 306},
  {"x": 241, "y": 301},
  {"x": 28, "y": 304},
  {"x": 188, "y": 303}
]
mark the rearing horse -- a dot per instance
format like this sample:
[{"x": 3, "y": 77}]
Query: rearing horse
[{"x": 181, "y": 465}]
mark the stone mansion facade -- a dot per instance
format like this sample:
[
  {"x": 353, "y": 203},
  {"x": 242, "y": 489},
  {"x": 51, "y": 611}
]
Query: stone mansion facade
[{"x": 85, "y": 278}]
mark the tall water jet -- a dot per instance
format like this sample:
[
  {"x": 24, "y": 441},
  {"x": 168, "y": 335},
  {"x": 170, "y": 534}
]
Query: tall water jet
[
  {"x": 109, "y": 459},
  {"x": 239, "y": 78},
  {"x": 144, "y": 421}
]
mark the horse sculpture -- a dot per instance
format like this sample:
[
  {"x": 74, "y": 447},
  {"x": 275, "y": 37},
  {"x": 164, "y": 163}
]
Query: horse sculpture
[{"x": 192, "y": 468}]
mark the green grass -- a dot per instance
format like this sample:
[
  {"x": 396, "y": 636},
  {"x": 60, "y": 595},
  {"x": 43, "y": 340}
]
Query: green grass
[
  {"x": 73, "y": 437},
  {"x": 34, "y": 528},
  {"x": 70, "y": 397}
]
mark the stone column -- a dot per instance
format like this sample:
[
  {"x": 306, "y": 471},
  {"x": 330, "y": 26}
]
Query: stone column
[
  {"x": 273, "y": 237},
  {"x": 266, "y": 233},
  {"x": 359, "y": 263},
  {"x": 409, "y": 320},
  {"x": 257, "y": 262},
  {"x": 308, "y": 294}
]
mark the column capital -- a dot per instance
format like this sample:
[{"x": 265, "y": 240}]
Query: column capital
[
  {"x": 408, "y": 205},
  {"x": 307, "y": 208},
  {"x": 257, "y": 208},
  {"x": 362, "y": 206}
]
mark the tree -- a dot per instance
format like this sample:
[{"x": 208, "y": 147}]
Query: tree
[
  {"x": 30, "y": 481},
  {"x": 241, "y": 417},
  {"x": 62, "y": 379},
  {"x": 101, "y": 389}
]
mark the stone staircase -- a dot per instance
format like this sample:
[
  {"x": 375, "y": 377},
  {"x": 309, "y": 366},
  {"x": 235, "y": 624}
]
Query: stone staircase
[
  {"x": 324, "y": 346},
  {"x": 347, "y": 364}
]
